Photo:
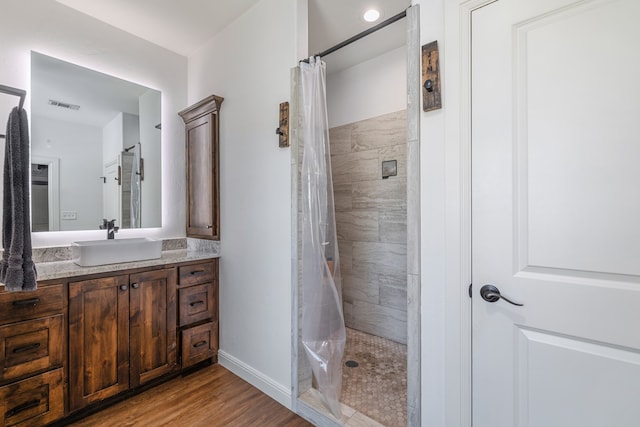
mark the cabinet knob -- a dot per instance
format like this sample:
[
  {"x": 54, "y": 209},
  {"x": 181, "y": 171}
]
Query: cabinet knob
[
  {"x": 135, "y": 286},
  {"x": 123, "y": 287}
]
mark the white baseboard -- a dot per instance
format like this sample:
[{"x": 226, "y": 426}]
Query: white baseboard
[{"x": 257, "y": 379}]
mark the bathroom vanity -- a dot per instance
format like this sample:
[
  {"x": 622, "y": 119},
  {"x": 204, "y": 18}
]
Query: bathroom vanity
[{"x": 89, "y": 336}]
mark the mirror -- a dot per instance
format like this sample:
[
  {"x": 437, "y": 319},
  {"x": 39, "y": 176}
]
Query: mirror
[{"x": 95, "y": 149}]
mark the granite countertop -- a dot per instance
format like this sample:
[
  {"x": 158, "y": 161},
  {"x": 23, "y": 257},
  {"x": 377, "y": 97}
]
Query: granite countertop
[{"x": 61, "y": 269}]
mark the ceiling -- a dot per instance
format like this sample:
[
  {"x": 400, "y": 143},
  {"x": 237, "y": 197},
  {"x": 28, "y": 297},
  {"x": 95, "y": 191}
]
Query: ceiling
[
  {"x": 186, "y": 25},
  {"x": 180, "y": 26}
]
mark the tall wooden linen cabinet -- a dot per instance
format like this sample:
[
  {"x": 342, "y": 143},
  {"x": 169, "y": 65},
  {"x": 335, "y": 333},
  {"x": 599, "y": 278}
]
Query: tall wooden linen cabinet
[{"x": 203, "y": 168}]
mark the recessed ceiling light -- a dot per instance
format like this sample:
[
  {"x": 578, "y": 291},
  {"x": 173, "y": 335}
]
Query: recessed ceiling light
[{"x": 371, "y": 15}]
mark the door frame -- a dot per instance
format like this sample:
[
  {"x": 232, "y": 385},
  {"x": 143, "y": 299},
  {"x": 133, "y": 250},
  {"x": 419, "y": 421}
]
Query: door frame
[
  {"x": 456, "y": 245},
  {"x": 53, "y": 164}
]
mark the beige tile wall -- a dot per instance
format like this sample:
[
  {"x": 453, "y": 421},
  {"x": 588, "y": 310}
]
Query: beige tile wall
[{"x": 371, "y": 217}]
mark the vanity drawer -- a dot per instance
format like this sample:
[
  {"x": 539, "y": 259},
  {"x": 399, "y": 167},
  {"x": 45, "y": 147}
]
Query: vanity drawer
[
  {"x": 196, "y": 303},
  {"x": 17, "y": 306},
  {"x": 196, "y": 273},
  {"x": 31, "y": 346},
  {"x": 33, "y": 402},
  {"x": 199, "y": 343}
]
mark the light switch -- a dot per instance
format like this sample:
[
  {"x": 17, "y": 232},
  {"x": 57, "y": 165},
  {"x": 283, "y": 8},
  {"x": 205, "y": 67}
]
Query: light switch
[{"x": 69, "y": 215}]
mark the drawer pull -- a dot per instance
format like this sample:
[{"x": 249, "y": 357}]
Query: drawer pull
[
  {"x": 193, "y": 304},
  {"x": 27, "y": 405},
  {"x": 197, "y": 271},
  {"x": 199, "y": 344},
  {"x": 26, "y": 348},
  {"x": 24, "y": 302}
]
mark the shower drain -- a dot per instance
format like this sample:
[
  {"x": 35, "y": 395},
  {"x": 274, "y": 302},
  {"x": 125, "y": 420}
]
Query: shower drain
[{"x": 351, "y": 364}]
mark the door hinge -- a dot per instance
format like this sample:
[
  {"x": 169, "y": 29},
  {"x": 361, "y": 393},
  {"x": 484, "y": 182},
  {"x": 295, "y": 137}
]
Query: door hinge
[{"x": 470, "y": 290}]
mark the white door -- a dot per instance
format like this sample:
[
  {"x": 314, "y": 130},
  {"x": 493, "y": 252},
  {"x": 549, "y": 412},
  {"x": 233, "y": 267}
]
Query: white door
[
  {"x": 556, "y": 213},
  {"x": 111, "y": 191}
]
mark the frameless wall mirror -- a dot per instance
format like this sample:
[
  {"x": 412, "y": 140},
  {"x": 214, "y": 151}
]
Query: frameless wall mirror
[{"x": 95, "y": 149}]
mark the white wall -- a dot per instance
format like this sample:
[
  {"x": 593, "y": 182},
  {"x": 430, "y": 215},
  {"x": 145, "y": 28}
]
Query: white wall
[
  {"x": 53, "y": 29},
  {"x": 130, "y": 130},
  {"x": 80, "y": 169},
  {"x": 249, "y": 64},
  {"x": 112, "y": 139},
  {"x": 442, "y": 347},
  {"x": 369, "y": 89},
  {"x": 150, "y": 116}
]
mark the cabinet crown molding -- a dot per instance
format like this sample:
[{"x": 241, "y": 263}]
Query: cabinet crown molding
[{"x": 210, "y": 104}]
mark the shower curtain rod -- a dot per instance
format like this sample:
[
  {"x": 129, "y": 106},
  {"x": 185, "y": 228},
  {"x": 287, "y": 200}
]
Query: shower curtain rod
[
  {"x": 358, "y": 36},
  {"x": 13, "y": 91}
]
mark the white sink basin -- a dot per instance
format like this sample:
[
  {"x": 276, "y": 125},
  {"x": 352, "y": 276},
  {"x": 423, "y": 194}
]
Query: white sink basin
[{"x": 99, "y": 252}]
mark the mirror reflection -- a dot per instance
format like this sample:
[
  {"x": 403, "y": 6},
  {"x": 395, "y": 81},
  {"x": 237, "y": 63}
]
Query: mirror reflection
[{"x": 95, "y": 149}]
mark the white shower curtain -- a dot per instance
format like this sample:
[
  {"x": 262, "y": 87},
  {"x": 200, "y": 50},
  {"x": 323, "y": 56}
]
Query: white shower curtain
[{"x": 323, "y": 330}]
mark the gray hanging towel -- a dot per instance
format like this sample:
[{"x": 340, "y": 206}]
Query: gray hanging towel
[{"x": 17, "y": 270}]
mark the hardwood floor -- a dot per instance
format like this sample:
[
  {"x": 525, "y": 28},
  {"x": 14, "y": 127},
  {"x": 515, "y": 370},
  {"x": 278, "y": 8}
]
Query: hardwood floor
[{"x": 212, "y": 396}]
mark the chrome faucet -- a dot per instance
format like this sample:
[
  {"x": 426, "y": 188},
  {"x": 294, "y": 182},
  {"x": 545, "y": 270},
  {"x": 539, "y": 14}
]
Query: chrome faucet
[{"x": 111, "y": 228}]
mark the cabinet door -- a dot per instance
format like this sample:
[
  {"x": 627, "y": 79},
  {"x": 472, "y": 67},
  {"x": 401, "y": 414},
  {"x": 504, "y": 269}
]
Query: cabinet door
[
  {"x": 153, "y": 325},
  {"x": 98, "y": 339},
  {"x": 202, "y": 177}
]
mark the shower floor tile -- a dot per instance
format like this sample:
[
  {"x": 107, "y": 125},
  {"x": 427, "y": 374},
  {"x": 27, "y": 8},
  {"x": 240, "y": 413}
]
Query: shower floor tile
[{"x": 378, "y": 386}]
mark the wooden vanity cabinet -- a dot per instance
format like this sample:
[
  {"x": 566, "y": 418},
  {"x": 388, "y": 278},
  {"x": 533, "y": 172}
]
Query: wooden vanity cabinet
[
  {"x": 83, "y": 340},
  {"x": 203, "y": 170},
  {"x": 122, "y": 333},
  {"x": 198, "y": 312},
  {"x": 152, "y": 325},
  {"x": 98, "y": 339},
  {"x": 32, "y": 356}
]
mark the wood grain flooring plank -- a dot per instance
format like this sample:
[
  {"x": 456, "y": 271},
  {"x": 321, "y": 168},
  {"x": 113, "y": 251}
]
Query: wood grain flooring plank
[{"x": 209, "y": 397}]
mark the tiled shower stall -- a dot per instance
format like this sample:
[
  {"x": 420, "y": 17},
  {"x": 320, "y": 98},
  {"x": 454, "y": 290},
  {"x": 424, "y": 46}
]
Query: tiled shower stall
[{"x": 371, "y": 219}]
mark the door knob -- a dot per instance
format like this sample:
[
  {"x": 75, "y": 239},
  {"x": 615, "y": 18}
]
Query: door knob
[{"x": 490, "y": 293}]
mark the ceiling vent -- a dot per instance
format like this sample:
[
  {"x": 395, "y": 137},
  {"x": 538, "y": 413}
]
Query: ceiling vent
[{"x": 63, "y": 105}]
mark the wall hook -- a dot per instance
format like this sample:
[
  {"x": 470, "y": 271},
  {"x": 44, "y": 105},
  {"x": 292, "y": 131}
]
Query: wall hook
[
  {"x": 432, "y": 86},
  {"x": 283, "y": 125},
  {"x": 428, "y": 85}
]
